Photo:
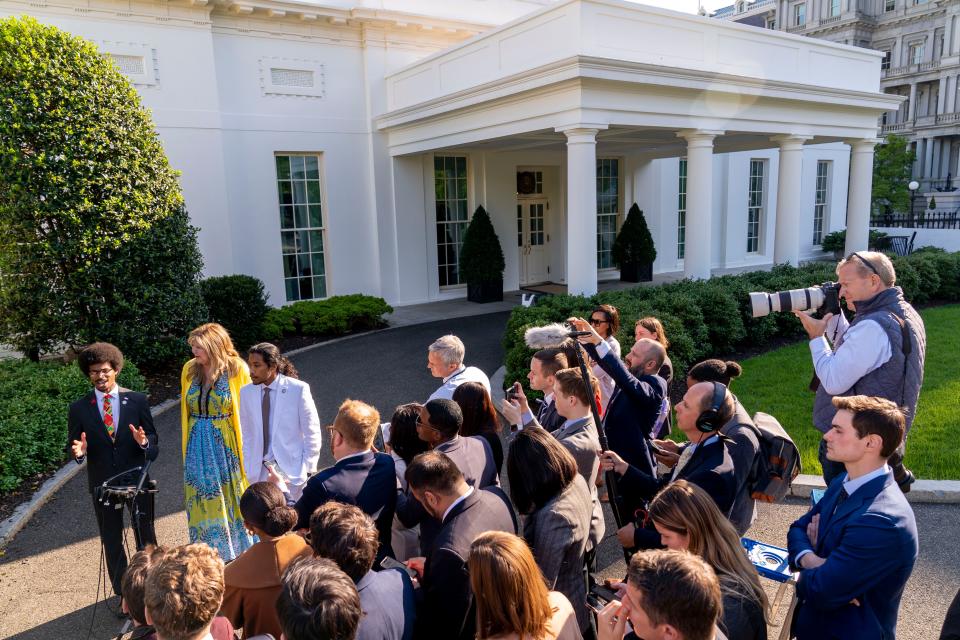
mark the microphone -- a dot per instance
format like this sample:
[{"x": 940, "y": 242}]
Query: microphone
[
  {"x": 143, "y": 476},
  {"x": 551, "y": 335}
]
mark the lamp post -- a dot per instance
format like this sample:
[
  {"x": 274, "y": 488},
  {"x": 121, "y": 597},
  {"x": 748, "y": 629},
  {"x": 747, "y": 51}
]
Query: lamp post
[{"x": 913, "y": 186}]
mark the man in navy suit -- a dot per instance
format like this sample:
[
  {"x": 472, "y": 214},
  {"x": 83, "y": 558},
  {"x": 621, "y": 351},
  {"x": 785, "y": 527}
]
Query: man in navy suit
[
  {"x": 345, "y": 534},
  {"x": 361, "y": 476},
  {"x": 544, "y": 366},
  {"x": 112, "y": 429},
  {"x": 639, "y": 405},
  {"x": 704, "y": 461},
  {"x": 448, "y": 609},
  {"x": 856, "y": 548}
]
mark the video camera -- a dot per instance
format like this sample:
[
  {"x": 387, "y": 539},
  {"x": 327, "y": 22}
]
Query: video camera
[{"x": 823, "y": 299}]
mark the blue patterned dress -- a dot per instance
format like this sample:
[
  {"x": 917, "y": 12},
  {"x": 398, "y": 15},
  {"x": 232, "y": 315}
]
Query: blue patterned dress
[{"x": 213, "y": 479}]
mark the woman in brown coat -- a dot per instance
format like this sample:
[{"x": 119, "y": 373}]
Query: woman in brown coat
[{"x": 253, "y": 579}]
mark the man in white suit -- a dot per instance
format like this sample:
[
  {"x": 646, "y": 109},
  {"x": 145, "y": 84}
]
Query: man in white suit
[{"x": 278, "y": 421}]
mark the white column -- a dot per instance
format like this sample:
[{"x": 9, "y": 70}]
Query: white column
[
  {"x": 858, "y": 198},
  {"x": 786, "y": 246},
  {"x": 912, "y": 108},
  {"x": 928, "y": 159},
  {"x": 582, "y": 210},
  {"x": 697, "y": 260}
]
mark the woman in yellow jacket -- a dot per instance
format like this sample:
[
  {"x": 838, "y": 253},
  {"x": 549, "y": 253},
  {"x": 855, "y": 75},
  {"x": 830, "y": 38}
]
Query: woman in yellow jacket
[{"x": 212, "y": 449}]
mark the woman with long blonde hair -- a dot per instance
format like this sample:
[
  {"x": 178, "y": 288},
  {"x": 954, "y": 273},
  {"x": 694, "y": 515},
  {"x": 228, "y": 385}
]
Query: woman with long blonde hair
[
  {"x": 212, "y": 449},
  {"x": 512, "y": 599},
  {"x": 688, "y": 520}
]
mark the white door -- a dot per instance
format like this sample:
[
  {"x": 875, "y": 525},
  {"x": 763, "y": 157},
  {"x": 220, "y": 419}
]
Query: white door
[{"x": 532, "y": 241}]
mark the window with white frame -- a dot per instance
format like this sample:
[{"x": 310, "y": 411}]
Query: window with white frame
[
  {"x": 608, "y": 209},
  {"x": 916, "y": 52},
  {"x": 682, "y": 210},
  {"x": 800, "y": 14},
  {"x": 755, "y": 205},
  {"x": 301, "y": 226},
  {"x": 450, "y": 185},
  {"x": 821, "y": 199},
  {"x": 834, "y": 8},
  {"x": 885, "y": 63},
  {"x": 771, "y": 22},
  {"x": 889, "y": 5}
]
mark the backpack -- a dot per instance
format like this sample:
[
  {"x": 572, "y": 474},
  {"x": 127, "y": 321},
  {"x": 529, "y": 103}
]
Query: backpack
[{"x": 777, "y": 463}]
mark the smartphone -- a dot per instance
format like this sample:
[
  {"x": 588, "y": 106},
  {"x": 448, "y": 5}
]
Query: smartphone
[
  {"x": 391, "y": 563},
  {"x": 273, "y": 466},
  {"x": 594, "y": 603},
  {"x": 378, "y": 440},
  {"x": 603, "y": 593},
  {"x": 658, "y": 449}
]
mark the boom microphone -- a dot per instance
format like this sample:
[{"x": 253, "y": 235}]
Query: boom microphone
[{"x": 551, "y": 335}]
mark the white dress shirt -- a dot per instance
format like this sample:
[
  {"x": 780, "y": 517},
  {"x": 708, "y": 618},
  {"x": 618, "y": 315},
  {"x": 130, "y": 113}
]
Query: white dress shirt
[
  {"x": 456, "y": 502},
  {"x": 527, "y": 415},
  {"x": 607, "y": 385},
  {"x": 457, "y": 378},
  {"x": 865, "y": 348}
]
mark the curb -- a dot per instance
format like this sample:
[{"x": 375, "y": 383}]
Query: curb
[{"x": 22, "y": 514}]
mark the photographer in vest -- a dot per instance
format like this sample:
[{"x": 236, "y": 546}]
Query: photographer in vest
[{"x": 880, "y": 353}]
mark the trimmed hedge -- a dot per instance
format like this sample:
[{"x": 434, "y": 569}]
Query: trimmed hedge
[
  {"x": 239, "y": 303},
  {"x": 334, "y": 316},
  {"x": 710, "y": 318},
  {"x": 34, "y": 398}
]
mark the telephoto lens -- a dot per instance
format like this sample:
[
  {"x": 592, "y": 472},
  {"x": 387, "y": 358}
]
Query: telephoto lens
[{"x": 762, "y": 303}]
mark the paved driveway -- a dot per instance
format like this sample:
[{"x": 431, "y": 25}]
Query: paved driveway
[{"x": 48, "y": 575}]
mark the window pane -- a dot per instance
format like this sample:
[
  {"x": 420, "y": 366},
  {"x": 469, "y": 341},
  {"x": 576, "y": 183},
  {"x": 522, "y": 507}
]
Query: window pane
[
  {"x": 290, "y": 266},
  {"x": 293, "y": 289},
  {"x": 319, "y": 288},
  {"x": 285, "y": 190},
  {"x": 450, "y": 187},
  {"x": 302, "y": 243},
  {"x": 283, "y": 167},
  {"x": 286, "y": 217},
  {"x": 288, "y": 242},
  {"x": 299, "y": 192},
  {"x": 313, "y": 191},
  {"x": 296, "y": 168},
  {"x": 317, "y": 263},
  {"x": 316, "y": 220},
  {"x": 306, "y": 288},
  {"x": 301, "y": 218},
  {"x": 303, "y": 265},
  {"x": 316, "y": 241},
  {"x": 312, "y": 166}
]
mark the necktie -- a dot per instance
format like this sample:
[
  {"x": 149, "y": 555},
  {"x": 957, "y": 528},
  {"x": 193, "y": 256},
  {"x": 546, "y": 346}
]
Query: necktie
[
  {"x": 265, "y": 412},
  {"x": 108, "y": 416},
  {"x": 685, "y": 456},
  {"x": 841, "y": 498}
]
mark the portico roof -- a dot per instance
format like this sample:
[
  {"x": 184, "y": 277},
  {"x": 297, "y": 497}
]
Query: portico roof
[{"x": 638, "y": 73}]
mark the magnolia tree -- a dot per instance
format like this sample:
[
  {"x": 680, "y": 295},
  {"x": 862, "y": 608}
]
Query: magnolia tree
[{"x": 94, "y": 241}]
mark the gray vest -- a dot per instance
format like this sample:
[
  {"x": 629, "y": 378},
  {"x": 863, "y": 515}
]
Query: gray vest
[{"x": 900, "y": 377}]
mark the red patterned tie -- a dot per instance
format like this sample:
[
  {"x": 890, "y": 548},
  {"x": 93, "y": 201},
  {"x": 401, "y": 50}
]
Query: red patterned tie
[{"x": 108, "y": 416}]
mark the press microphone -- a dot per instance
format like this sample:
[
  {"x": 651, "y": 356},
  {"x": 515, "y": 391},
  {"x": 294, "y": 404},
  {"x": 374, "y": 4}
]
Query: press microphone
[
  {"x": 551, "y": 335},
  {"x": 143, "y": 476}
]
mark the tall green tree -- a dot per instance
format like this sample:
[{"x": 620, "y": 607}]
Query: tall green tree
[
  {"x": 892, "y": 166},
  {"x": 94, "y": 242}
]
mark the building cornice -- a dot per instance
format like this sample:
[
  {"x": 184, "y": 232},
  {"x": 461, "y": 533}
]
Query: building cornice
[{"x": 604, "y": 69}]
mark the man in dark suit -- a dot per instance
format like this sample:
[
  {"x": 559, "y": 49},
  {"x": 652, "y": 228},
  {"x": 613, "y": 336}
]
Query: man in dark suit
[
  {"x": 96, "y": 434},
  {"x": 439, "y": 426},
  {"x": 448, "y": 609},
  {"x": 639, "y": 405},
  {"x": 360, "y": 477},
  {"x": 345, "y": 534},
  {"x": 704, "y": 461},
  {"x": 855, "y": 549}
]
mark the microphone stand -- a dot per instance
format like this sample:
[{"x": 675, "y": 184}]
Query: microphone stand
[{"x": 610, "y": 477}]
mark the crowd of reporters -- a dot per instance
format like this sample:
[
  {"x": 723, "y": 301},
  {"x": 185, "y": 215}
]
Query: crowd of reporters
[{"x": 420, "y": 540}]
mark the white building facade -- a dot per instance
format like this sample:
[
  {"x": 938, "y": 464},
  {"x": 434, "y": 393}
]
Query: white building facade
[{"x": 342, "y": 148}]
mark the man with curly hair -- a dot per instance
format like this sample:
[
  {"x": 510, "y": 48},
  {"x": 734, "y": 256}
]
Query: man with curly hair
[
  {"x": 183, "y": 592},
  {"x": 112, "y": 429}
]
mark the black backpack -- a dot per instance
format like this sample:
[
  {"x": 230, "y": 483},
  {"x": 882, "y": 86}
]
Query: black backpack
[{"x": 777, "y": 463}]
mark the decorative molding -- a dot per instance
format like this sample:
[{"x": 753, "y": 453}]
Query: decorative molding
[{"x": 148, "y": 74}]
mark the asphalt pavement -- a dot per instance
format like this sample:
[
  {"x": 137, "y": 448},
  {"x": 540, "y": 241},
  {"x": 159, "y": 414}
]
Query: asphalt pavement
[{"x": 49, "y": 571}]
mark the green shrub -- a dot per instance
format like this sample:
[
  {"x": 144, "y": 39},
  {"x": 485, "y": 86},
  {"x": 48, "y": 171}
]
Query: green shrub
[
  {"x": 331, "y": 317},
  {"x": 634, "y": 244},
  {"x": 239, "y": 303},
  {"x": 34, "y": 398},
  {"x": 481, "y": 258},
  {"x": 93, "y": 241},
  {"x": 713, "y": 318}
]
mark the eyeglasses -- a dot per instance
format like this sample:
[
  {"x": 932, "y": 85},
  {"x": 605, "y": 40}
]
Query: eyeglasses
[
  {"x": 424, "y": 424},
  {"x": 96, "y": 373},
  {"x": 597, "y": 321},
  {"x": 868, "y": 263}
]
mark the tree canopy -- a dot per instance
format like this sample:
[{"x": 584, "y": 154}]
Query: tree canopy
[
  {"x": 94, "y": 241},
  {"x": 892, "y": 167}
]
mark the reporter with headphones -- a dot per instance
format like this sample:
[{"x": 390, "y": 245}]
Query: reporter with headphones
[{"x": 704, "y": 461}]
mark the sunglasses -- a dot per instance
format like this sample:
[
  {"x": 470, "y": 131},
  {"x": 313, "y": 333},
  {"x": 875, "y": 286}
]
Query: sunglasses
[
  {"x": 868, "y": 263},
  {"x": 597, "y": 321}
]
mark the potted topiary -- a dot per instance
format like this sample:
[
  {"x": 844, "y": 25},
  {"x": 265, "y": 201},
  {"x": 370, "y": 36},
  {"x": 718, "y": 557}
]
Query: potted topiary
[
  {"x": 633, "y": 250},
  {"x": 834, "y": 242},
  {"x": 481, "y": 260}
]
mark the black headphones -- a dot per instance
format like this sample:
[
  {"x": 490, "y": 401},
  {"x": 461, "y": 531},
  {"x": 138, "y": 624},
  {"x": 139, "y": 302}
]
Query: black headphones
[{"x": 709, "y": 420}]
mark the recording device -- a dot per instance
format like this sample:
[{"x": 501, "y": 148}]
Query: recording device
[
  {"x": 551, "y": 335},
  {"x": 379, "y": 441},
  {"x": 599, "y": 597},
  {"x": 512, "y": 393},
  {"x": 658, "y": 449},
  {"x": 392, "y": 563},
  {"x": 824, "y": 298}
]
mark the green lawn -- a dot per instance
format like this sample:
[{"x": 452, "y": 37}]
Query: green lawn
[{"x": 777, "y": 383}]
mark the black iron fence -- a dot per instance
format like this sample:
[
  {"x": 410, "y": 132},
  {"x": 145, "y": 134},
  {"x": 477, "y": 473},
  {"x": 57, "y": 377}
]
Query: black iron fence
[{"x": 926, "y": 219}]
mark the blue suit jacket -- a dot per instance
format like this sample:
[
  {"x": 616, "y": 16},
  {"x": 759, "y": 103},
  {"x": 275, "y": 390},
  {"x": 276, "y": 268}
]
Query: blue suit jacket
[
  {"x": 367, "y": 481},
  {"x": 870, "y": 546},
  {"x": 389, "y": 606}
]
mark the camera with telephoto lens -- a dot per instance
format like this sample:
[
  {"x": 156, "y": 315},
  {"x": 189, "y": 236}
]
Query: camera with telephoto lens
[{"x": 823, "y": 299}]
